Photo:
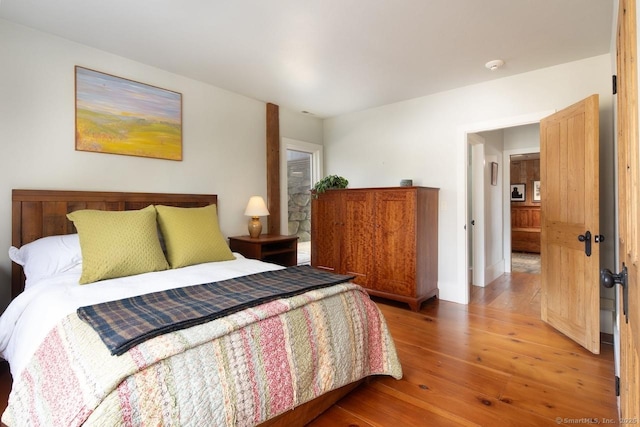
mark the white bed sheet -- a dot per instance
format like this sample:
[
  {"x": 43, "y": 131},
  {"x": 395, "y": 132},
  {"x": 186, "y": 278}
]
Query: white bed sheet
[{"x": 29, "y": 318}]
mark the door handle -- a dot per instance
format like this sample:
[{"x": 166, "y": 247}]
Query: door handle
[
  {"x": 586, "y": 238},
  {"x": 608, "y": 280}
]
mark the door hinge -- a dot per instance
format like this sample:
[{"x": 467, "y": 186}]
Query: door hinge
[
  {"x": 614, "y": 82},
  {"x": 617, "y": 385}
]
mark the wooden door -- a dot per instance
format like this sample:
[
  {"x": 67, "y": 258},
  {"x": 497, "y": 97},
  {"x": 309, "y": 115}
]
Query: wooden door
[
  {"x": 395, "y": 242},
  {"x": 357, "y": 235},
  {"x": 326, "y": 231},
  {"x": 569, "y": 180},
  {"x": 628, "y": 199}
]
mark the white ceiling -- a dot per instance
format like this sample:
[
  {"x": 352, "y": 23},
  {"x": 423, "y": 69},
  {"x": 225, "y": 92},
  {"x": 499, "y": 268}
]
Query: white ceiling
[{"x": 330, "y": 57}]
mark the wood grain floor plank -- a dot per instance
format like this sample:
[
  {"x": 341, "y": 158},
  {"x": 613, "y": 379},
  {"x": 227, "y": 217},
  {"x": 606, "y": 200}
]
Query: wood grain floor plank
[
  {"x": 540, "y": 398},
  {"x": 503, "y": 354},
  {"x": 383, "y": 406},
  {"x": 472, "y": 406},
  {"x": 337, "y": 416},
  {"x": 468, "y": 375},
  {"x": 491, "y": 362}
]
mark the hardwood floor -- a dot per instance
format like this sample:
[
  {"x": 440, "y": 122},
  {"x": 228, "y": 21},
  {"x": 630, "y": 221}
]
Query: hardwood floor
[{"x": 491, "y": 363}]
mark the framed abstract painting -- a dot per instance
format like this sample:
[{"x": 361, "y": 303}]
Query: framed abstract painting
[{"x": 120, "y": 116}]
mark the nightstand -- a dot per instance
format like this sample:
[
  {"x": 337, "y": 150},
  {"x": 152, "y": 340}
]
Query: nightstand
[{"x": 282, "y": 250}]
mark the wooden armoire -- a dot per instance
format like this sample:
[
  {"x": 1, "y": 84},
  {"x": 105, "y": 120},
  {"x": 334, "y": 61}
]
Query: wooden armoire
[{"x": 386, "y": 237}]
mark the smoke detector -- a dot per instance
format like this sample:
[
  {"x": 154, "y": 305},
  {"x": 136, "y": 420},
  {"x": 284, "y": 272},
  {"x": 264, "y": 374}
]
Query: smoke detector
[{"x": 495, "y": 64}]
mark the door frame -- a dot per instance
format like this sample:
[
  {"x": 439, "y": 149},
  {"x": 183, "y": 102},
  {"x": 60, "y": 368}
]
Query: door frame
[
  {"x": 316, "y": 170},
  {"x": 462, "y": 241},
  {"x": 476, "y": 195}
]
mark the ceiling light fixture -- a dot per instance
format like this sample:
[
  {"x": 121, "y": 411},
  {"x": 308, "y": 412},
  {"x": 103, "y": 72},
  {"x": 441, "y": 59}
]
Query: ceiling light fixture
[{"x": 495, "y": 64}]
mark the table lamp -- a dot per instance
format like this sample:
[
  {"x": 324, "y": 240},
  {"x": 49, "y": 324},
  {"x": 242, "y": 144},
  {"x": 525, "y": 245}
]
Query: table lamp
[{"x": 255, "y": 209}]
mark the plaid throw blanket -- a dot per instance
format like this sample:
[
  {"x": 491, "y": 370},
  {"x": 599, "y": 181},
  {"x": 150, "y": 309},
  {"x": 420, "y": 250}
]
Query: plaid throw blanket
[{"x": 128, "y": 322}]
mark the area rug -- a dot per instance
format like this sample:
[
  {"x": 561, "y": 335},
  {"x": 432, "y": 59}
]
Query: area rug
[{"x": 522, "y": 262}]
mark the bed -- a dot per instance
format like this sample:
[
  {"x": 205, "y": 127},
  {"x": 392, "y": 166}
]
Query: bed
[{"x": 277, "y": 361}]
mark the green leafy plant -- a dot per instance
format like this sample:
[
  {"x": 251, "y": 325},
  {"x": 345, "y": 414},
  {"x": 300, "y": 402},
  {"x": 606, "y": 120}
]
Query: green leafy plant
[{"x": 329, "y": 182}]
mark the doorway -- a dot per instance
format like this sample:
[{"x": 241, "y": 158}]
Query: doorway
[
  {"x": 303, "y": 169},
  {"x": 524, "y": 187},
  {"x": 489, "y": 173},
  {"x": 298, "y": 202}
]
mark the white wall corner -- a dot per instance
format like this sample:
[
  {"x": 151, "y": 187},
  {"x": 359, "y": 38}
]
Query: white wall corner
[
  {"x": 494, "y": 271},
  {"x": 450, "y": 291}
]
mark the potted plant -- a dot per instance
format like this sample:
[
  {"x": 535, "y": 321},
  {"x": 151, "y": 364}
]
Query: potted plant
[{"x": 329, "y": 182}]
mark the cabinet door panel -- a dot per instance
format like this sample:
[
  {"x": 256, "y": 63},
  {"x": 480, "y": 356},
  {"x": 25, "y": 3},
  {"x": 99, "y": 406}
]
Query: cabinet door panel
[
  {"x": 535, "y": 217},
  {"x": 395, "y": 245},
  {"x": 523, "y": 219},
  {"x": 326, "y": 230},
  {"x": 357, "y": 239}
]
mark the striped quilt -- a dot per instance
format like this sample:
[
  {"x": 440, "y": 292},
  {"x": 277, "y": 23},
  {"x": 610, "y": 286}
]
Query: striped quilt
[{"x": 239, "y": 370}]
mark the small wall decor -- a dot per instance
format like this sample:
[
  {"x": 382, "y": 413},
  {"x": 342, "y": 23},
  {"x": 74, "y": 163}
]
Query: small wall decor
[
  {"x": 494, "y": 173},
  {"x": 536, "y": 191},
  {"x": 518, "y": 192},
  {"x": 120, "y": 116}
]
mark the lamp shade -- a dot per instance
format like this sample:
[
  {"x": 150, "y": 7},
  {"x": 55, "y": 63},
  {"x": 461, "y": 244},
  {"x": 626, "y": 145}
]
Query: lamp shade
[{"x": 256, "y": 207}]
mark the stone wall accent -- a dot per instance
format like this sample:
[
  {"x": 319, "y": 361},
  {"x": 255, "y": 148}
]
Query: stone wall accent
[{"x": 299, "y": 198}]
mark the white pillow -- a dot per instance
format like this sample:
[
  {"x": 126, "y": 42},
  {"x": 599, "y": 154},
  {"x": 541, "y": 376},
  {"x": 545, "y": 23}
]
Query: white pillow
[{"x": 47, "y": 256}]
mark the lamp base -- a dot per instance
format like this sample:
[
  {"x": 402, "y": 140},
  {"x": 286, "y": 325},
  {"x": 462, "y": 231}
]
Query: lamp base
[{"x": 255, "y": 227}]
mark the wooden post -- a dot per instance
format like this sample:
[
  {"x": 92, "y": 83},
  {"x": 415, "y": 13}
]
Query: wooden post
[{"x": 273, "y": 168}]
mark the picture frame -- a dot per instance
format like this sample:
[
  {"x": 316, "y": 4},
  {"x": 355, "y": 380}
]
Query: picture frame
[
  {"x": 121, "y": 116},
  {"x": 536, "y": 191},
  {"x": 494, "y": 173},
  {"x": 518, "y": 192}
]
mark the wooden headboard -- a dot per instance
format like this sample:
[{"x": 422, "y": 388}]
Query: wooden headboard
[{"x": 41, "y": 213}]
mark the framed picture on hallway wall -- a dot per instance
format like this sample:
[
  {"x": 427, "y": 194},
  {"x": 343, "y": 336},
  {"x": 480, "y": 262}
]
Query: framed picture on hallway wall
[
  {"x": 536, "y": 191},
  {"x": 120, "y": 116},
  {"x": 518, "y": 192},
  {"x": 494, "y": 173}
]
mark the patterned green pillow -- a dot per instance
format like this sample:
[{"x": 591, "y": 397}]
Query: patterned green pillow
[
  {"x": 192, "y": 235},
  {"x": 118, "y": 243}
]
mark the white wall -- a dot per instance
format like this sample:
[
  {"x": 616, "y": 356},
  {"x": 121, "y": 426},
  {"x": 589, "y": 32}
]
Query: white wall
[
  {"x": 223, "y": 134},
  {"x": 523, "y": 137},
  {"x": 301, "y": 127},
  {"x": 425, "y": 139}
]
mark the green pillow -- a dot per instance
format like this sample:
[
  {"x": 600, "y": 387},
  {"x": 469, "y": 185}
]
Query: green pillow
[
  {"x": 118, "y": 243},
  {"x": 192, "y": 235}
]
